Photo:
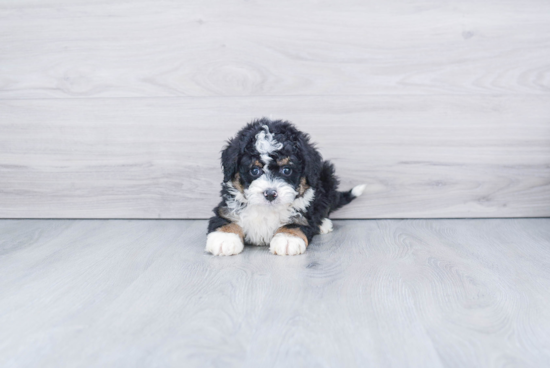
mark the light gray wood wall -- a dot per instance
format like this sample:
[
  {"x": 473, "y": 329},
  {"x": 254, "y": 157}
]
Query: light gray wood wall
[{"x": 120, "y": 109}]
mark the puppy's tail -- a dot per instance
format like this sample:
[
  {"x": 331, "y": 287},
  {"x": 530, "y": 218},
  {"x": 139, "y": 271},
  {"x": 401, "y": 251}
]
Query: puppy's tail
[{"x": 346, "y": 197}]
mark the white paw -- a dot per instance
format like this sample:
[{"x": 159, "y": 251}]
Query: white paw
[
  {"x": 284, "y": 244},
  {"x": 223, "y": 244},
  {"x": 326, "y": 226}
]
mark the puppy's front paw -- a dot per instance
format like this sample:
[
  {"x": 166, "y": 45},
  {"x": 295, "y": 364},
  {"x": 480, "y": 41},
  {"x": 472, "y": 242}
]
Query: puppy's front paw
[
  {"x": 223, "y": 244},
  {"x": 285, "y": 244}
]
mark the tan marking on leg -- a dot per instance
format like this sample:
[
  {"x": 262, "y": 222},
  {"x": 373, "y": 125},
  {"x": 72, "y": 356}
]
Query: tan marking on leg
[
  {"x": 293, "y": 231},
  {"x": 303, "y": 186},
  {"x": 232, "y": 228},
  {"x": 283, "y": 161},
  {"x": 258, "y": 163},
  {"x": 237, "y": 183}
]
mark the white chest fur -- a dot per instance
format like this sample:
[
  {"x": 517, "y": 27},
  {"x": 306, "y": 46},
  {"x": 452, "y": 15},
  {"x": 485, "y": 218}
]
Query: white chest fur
[{"x": 260, "y": 223}]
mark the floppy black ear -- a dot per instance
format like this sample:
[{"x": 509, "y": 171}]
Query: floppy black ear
[
  {"x": 313, "y": 162},
  {"x": 230, "y": 159}
]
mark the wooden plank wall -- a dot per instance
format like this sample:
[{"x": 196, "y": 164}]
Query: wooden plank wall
[{"x": 118, "y": 109}]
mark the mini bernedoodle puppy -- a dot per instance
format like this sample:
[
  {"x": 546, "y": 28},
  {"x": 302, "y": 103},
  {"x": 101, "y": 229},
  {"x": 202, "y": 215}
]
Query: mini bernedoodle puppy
[{"x": 276, "y": 191}]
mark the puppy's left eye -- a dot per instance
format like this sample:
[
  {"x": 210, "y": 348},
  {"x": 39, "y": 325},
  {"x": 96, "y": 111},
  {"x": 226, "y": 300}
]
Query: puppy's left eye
[
  {"x": 255, "y": 171},
  {"x": 286, "y": 171}
]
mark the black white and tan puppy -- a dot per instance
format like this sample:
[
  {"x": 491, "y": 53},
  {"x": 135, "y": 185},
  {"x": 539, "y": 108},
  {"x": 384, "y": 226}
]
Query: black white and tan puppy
[{"x": 276, "y": 191}]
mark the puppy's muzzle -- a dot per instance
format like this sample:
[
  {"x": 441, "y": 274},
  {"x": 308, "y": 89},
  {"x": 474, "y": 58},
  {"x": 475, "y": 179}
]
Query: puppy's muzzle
[{"x": 270, "y": 195}]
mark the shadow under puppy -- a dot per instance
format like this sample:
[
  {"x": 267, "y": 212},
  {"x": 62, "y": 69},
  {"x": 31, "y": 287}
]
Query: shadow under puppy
[{"x": 276, "y": 191}]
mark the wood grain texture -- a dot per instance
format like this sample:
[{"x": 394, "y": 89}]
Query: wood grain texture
[
  {"x": 386, "y": 293},
  {"x": 447, "y": 156},
  {"x": 118, "y": 109},
  {"x": 145, "y": 48}
]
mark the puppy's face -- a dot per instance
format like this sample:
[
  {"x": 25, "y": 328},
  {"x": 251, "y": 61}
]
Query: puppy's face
[
  {"x": 270, "y": 180},
  {"x": 270, "y": 170}
]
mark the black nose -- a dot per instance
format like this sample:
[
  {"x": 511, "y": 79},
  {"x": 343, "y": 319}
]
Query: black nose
[{"x": 270, "y": 194}]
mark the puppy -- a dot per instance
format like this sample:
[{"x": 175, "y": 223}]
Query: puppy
[{"x": 276, "y": 191}]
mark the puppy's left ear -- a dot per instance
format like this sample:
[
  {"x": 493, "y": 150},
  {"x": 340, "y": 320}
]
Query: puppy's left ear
[
  {"x": 312, "y": 160},
  {"x": 230, "y": 159}
]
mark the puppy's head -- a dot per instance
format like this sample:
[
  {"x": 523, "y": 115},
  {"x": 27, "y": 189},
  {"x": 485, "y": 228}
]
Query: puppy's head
[{"x": 270, "y": 163}]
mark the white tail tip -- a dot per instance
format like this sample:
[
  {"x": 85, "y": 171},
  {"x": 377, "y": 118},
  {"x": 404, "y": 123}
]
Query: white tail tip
[{"x": 358, "y": 190}]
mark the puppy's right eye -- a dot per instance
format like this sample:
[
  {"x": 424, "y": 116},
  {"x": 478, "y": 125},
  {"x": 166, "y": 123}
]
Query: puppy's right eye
[{"x": 255, "y": 171}]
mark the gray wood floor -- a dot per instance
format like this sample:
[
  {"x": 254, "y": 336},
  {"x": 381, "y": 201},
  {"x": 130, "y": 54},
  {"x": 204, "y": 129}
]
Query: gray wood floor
[{"x": 374, "y": 293}]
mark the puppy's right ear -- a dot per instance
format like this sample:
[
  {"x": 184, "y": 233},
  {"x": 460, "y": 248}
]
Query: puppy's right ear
[{"x": 230, "y": 159}]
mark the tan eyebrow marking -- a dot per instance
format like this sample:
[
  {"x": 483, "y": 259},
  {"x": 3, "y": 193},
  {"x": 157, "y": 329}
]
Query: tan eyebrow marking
[
  {"x": 283, "y": 161},
  {"x": 258, "y": 163}
]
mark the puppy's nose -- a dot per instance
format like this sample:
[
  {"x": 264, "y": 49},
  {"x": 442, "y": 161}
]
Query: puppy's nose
[{"x": 270, "y": 194}]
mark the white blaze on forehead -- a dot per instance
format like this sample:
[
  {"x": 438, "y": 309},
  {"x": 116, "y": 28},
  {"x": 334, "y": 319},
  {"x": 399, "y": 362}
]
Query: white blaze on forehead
[{"x": 266, "y": 144}]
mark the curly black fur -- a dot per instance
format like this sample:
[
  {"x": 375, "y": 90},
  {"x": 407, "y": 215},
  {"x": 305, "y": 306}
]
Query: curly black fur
[{"x": 307, "y": 165}]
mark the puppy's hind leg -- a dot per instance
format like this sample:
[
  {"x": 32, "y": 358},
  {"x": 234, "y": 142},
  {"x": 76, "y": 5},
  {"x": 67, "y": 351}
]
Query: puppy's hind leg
[{"x": 326, "y": 226}]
